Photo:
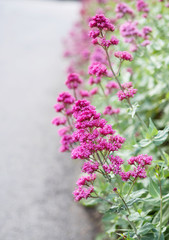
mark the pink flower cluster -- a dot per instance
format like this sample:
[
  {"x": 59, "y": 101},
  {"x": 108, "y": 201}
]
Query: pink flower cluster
[
  {"x": 122, "y": 9},
  {"x": 109, "y": 111},
  {"x": 101, "y": 22},
  {"x": 73, "y": 81},
  {"x": 64, "y": 106},
  {"x": 110, "y": 86},
  {"x": 93, "y": 133},
  {"x": 142, "y": 6},
  {"x": 97, "y": 69},
  {"x": 139, "y": 162},
  {"x": 85, "y": 188},
  {"x": 107, "y": 43},
  {"x": 123, "y": 55},
  {"x": 131, "y": 33},
  {"x": 114, "y": 166},
  {"x": 90, "y": 167},
  {"x": 59, "y": 121},
  {"x": 128, "y": 91}
]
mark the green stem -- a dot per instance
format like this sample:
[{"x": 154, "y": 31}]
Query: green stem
[
  {"x": 132, "y": 185},
  {"x": 125, "y": 204},
  {"x": 161, "y": 207},
  {"x": 121, "y": 88},
  {"x": 131, "y": 223},
  {"x": 134, "y": 228},
  {"x": 103, "y": 199}
]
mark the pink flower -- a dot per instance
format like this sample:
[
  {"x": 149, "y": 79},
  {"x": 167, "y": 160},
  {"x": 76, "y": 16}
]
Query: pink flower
[
  {"x": 73, "y": 81},
  {"x": 109, "y": 111},
  {"x": 123, "y": 55},
  {"x": 63, "y": 131},
  {"x": 114, "y": 40},
  {"x": 128, "y": 91},
  {"x": 86, "y": 179},
  {"x": 66, "y": 98},
  {"x": 142, "y": 6},
  {"x": 127, "y": 94},
  {"x": 110, "y": 86},
  {"x": 91, "y": 132},
  {"x": 159, "y": 16},
  {"x": 59, "y": 107},
  {"x": 93, "y": 80},
  {"x": 59, "y": 121},
  {"x": 94, "y": 91},
  {"x": 90, "y": 167},
  {"x": 97, "y": 69},
  {"x": 140, "y": 160},
  {"x": 145, "y": 31},
  {"x": 66, "y": 142},
  {"x": 129, "y": 30},
  {"x": 82, "y": 192},
  {"x": 122, "y": 9},
  {"x": 101, "y": 22},
  {"x": 94, "y": 33},
  {"x": 145, "y": 43},
  {"x": 84, "y": 93}
]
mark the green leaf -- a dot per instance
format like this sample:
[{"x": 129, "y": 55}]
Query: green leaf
[
  {"x": 138, "y": 193},
  {"x": 152, "y": 130},
  {"x": 149, "y": 236},
  {"x": 144, "y": 143},
  {"x": 114, "y": 208},
  {"x": 154, "y": 189},
  {"x": 134, "y": 216},
  {"x": 166, "y": 158},
  {"x": 133, "y": 110},
  {"x": 166, "y": 198},
  {"x": 132, "y": 201},
  {"x": 145, "y": 228},
  {"x": 161, "y": 136}
]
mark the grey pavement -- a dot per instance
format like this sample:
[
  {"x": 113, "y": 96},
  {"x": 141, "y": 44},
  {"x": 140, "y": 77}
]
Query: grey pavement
[{"x": 36, "y": 181}]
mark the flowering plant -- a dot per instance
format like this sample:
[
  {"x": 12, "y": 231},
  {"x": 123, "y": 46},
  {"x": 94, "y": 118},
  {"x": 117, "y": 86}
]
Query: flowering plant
[{"x": 119, "y": 128}]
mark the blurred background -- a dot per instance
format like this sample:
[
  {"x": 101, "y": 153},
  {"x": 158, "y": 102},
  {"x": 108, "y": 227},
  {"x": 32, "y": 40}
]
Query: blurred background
[{"x": 36, "y": 181}]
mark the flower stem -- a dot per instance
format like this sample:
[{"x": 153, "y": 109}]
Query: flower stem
[
  {"x": 161, "y": 207},
  {"x": 134, "y": 228},
  {"x": 132, "y": 185},
  {"x": 131, "y": 223},
  {"x": 121, "y": 88}
]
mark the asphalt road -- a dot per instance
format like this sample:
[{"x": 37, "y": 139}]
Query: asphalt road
[{"x": 36, "y": 181}]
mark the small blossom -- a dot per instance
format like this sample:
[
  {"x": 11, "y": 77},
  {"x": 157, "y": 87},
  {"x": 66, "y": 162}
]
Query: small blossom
[
  {"x": 126, "y": 94},
  {"x": 97, "y": 69},
  {"x": 101, "y": 22},
  {"x": 84, "y": 93},
  {"x": 66, "y": 142},
  {"x": 114, "y": 40},
  {"x": 122, "y": 9},
  {"x": 90, "y": 167},
  {"x": 109, "y": 111},
  {"x": 59, "y": 121},
  {"x": 59, "y": 107},
  {"x": 94, "y": 34},
  {"x": 73, "y": 81},
  {"x": 140, "y": 160},
  {"x": 66, "y": 98},
  {"x": 94, "y": 91},
  {"x": 145, "y": 43},
  {"x": 82, "y": 192},
  {"x": 123, "y": 55},
  {"x": 142, "y": 6}
]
